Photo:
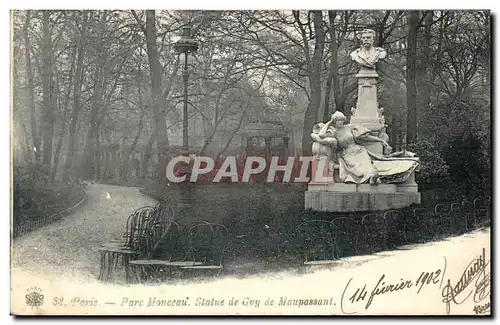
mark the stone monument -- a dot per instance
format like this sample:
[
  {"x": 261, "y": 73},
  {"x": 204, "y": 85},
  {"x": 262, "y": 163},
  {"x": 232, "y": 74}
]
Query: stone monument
[
  {"x": 354, "y": 169},
  {"x": 367, "y": 113}
]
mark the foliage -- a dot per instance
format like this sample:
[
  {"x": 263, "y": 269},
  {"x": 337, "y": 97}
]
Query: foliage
[
  {"x": 470, "y": 164},
  {"x": 433, "y": 167},
  {"x": 31, "y": 176},
  {"x": 250, "y": 65},
  {"x": 35, "y": 196},
  {"x": 29, "y": 181}
]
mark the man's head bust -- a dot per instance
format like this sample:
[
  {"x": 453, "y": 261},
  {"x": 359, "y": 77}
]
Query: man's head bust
[
  {"x": 367, "y": 55},
  {"x": 367, "y": 38}
]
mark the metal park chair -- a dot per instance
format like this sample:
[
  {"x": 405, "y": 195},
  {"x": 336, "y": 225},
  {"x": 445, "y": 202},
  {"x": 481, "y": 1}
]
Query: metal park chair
[
  {"x": 471, "y": 218},
  {"x": 482, "y": 208},
  {"x": 207, "y": 246},
  {"x": 316, "y": 240},
  {"x": 155, "y": 227},
  {"x": 395, "y": 227},
  {"x": 446, "y": 219},
  {"x": 162, "y": 245},
  {"x": 345, "y": 234},
  {"x": 460, "y": 217},
  {"x": 170, "y": 254},
  {"x": 422, "y": 226},
  {"x": 372, "y": 236},
  {"x": 134, "y": 237}
]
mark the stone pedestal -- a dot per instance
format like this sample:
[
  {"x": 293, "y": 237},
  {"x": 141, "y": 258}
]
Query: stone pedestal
[
  {"x": 341, "y": 197},
  {"x": 321, "y": 176},
  {"x": 325, "y": 193},
  {"x": 367, "y": 112},
  {"x": 410, "y": 186},
  {"x": 329, "y": 201}
]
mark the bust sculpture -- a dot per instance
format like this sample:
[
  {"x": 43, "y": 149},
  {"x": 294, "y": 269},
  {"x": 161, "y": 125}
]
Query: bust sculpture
[{"x": 368, "y": 55}]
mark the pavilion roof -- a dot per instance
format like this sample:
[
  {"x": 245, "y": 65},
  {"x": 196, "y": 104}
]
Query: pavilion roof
[{"x": 265, "y": 128}]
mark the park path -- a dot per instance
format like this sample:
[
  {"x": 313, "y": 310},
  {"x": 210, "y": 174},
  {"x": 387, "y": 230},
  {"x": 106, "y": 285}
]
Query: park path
[{"x": 69, "y": 247}]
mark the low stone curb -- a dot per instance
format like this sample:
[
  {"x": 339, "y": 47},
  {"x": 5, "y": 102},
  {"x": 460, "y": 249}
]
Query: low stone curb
[{"x": 43, "y": 221}]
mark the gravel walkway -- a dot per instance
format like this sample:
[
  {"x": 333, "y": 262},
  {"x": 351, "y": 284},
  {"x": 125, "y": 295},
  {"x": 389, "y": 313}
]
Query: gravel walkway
[{"x": 69, "y": 247}]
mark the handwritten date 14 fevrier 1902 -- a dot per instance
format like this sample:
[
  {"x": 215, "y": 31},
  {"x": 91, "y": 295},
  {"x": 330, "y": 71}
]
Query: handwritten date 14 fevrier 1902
[{"x": 367, "y": 294}]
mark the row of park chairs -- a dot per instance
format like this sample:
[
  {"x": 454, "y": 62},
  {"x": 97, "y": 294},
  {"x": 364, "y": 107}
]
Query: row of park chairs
[
  {"x": 325, "y": 242},
  {"x": 131, "y": 244},
  {"x": 197, "y": 248},
  {"x": 155, "y": 247}
]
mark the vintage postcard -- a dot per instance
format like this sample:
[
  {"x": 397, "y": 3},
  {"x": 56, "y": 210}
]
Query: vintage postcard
[{"x": 251, "y": 162}]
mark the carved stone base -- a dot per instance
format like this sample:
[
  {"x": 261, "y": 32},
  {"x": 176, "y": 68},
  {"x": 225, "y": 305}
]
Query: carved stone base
[
  {"x": 363, "y": 197},
  {"x": 372, "y": 124},
  {"x": 365, "y": 72}
]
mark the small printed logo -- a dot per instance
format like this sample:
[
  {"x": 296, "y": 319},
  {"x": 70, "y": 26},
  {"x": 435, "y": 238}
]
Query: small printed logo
[{"x": 34, "y": 297}]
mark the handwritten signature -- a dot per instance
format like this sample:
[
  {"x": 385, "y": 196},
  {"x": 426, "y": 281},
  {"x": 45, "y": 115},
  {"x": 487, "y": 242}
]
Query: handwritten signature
[
  {"x": 385, "y": 286},
  {"x": 475, "y": 270}
]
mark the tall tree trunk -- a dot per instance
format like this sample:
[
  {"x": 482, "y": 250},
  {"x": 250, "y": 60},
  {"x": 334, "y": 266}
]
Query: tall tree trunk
[
  {"x": 31, "y": 90},
  {"x": 333, "y": 74},
  {"x": 62, "y": 133},
  {"x": 424, "y": 66},
  {"x": 140, "y": 127},
  {"x": 159, "y": 102},
  {"x": 104, "y": 104},
  {"x": 411, "y": 84},
  {"x": 89, "y": 171},
  {"x": 314, "y": 82},
  {"x": 27, "y": 150},
  {"x": 147, "y": 154},
  {"x": 97, "y": 156},
  {"x": 77, "y": 93},
  {"x": 48, "y": 95},
  {"x": 436, "y": 67}
]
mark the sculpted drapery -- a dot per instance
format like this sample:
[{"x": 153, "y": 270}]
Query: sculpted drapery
[{"x": 343, "y": 143}]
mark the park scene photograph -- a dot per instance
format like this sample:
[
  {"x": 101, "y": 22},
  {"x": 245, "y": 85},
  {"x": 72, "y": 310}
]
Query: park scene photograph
[{"x": 250, "y": 162}]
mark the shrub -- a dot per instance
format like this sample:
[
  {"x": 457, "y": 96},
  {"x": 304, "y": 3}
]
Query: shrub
[
  {"x": 28, "y": 181},
  {"x": 433, "y": 167},
  {"x": 31, "y": 176},
  {"x": 469, "y": 162}
]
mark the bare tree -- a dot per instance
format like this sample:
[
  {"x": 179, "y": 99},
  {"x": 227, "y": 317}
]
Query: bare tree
[
  {"x": 159, "y": 101},
  {"x": 89, "y": 171},
  {"x": 48, "y": 94},
  {"x": 31, "y": 88},
  {"x": 411, "y": 82},
  {"x": 80, "y": 36}
]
